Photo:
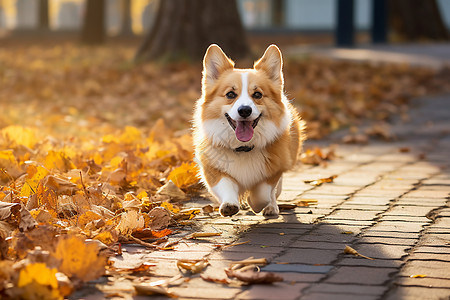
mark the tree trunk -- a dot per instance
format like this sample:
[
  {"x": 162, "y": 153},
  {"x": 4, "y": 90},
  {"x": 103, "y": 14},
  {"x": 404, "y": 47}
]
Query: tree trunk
[
  {"x": 413, "y": 20},
  {"x": 93, "y": 31},
  {"x": 184, "y": 29},
  {"x": 125, "y": 12},
  {"x": 43, "y": 22}
]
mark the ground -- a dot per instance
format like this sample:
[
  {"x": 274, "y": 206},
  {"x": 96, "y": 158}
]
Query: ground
[{"x": 83, "y": 153}]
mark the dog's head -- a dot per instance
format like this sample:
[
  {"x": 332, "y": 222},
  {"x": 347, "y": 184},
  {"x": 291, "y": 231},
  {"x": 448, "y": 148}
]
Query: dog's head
[{"x": 243, "y": 106}]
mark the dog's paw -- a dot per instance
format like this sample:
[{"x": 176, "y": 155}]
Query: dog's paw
[
  {"x": 228, "y": 209},
  {"x": 271, "y": 211}
]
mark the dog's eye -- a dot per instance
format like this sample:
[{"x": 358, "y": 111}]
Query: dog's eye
[
  {"x": 257, "y": 95},
  {"x": 231, "y": 95}
]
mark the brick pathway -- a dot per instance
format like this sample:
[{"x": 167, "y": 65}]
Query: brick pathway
[{"x": 389, "y": 202}]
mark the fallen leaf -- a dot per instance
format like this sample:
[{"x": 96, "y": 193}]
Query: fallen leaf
[
  {"x": 321, "y": 181},
  {"x": 195, "y": 235},
  {"x": 215, "y": 280},
  {"x": 194, "y": 266},
  {"x": 184, "y": 176},
  {"x": 148, "y": 290},
  {"x": 172, "y": 191},
  {"x": 350, "y": 250},
  {"x": 37, "y": 281},
  {"x": 252, "y": 277},
  {"x": 130, "y": 221},
  {"x": 305, "y": 202},
  {"x": 286, "y": 206},
  {"x": 418, "y": 276},
  {"x": 79, "y": 259},
  {"x": 160, "y": 218}
]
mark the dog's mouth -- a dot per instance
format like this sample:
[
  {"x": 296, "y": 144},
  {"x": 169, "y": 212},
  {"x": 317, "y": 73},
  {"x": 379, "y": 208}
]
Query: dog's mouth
[{"x": 243, "y": 129}]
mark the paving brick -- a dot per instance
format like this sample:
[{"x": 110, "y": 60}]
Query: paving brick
[
  {"x": 308, "y": 256},
  {"x": 434, "y": 194},
  {"x": 326, "y": 296},
  {"x": 364, "y": 207},
  {"x": 425, "y": 282},
  {"x": 276, "y": 291},
  {"x": 398, "y": 226},
  {"x": 377, "y": 191},
  {"x": 266, "y": 239},
  {"x": 335, "y": 189},
  {"x": 428, "y": 249},
  {"x": 382, "y": 251},
  {"x": 233, "y": 256},
  {"x": 414, "y": 293},
  {"x": 435, "y": 239},
  {"x": 330, "y": 238},
  {"x": 351, "y": 214},
  {"x": 391, "y": 234},
  {"x": 348, "y": 222},
  {"x": 214, "y": 292},
  {"x": 370, "y": 199},
  {"x": 301, "y": 277},
  {"x": 317, "y": 245},
  {"x": 386, "y": 241},
  {"x": 430, "y": 256},
  {"x": 426, "y": 202},
  {"x": 360, "y": 275},
  {"x": 360, "y": 261},
  {"x": 430, "y": 268},
  {"x": 347, "y": 289},
  {"x": 406, "y": 219},
  {"x": 297, "y": 268}
]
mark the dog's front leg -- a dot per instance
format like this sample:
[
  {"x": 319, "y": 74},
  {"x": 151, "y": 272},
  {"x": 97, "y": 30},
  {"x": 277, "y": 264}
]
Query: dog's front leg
[
  {"x": 227, "y": 192},
  {"x": 264, "y": 196}
]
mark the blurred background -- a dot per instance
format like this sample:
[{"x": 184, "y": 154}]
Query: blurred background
[
  {"x": 132, "y": 62},
  {"x": 285, "y": 21}
]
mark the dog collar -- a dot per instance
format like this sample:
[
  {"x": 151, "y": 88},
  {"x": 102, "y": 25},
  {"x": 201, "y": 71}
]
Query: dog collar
[{"x": 244, "y": 149}]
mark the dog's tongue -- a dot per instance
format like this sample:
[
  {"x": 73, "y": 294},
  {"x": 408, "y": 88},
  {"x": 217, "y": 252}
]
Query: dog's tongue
[{"x": 244, "y": 131}]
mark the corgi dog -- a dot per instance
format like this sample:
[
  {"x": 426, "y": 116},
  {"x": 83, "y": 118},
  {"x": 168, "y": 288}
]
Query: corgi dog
[{"x": 246, "y": 133}]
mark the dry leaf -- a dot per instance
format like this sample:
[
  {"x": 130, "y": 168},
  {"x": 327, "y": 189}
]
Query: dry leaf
[
  {"x": 79, "y": 259},
  {"x": 160, "y": 218},
  {"x": 148, "y": 290},
  {"x": 37, "y": 281},
  {"x": 252, "y": 277},
  {"x": 130, "y": 221},
  {"x": 418, "y": 276},
  {"x": 184, "y": 176},
  {"x": 350, "y": 250},
  {"x": 195, "y": 235},
  {"x": 286, "y": 206},
  {"x": 321, "y": 181},
  {"x": 215, "y": 280},
  {"x": 306, "y": 202},
  {"x": 172, "y": 191},
  {"x": 194, "y": 266}
]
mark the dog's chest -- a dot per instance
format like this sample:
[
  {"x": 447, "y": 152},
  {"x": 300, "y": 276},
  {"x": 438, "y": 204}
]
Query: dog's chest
[{"x": 247, "y": 168}]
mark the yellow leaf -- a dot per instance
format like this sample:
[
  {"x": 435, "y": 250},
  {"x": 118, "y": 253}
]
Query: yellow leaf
[
  {"x": 132, "y": 135},
  {"x": 58, "y": 160},
  {"x": 9, "y": 163},
  {"x": 185, "y": 175},
  {"x": 37, "y": 281},
  {"x": 87, "y": 217},
  {"x": 79, "y": 259},
  {"x": 107, "y": 237},
  {"x": 34, "y": 175},
  {"x": 170, "y": 207},
  {"x": 18, "y": 135}
]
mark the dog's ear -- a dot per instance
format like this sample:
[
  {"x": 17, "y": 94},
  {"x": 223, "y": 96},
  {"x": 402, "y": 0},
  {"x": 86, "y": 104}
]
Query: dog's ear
[
  {"x": 215, "y": 63},
  {"x": 271, "y": 63}
]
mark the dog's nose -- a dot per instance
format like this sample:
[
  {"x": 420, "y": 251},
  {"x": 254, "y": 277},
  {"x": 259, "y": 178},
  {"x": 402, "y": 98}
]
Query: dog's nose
[{"x": 244, "y": 111}]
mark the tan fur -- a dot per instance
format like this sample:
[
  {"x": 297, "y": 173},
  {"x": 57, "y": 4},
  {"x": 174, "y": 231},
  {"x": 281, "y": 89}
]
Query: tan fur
[{"x": 277, "y": 138}]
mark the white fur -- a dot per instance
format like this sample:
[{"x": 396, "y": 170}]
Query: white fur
[
  {"x": 244, "y": 100},
  {"x": 226, "y": 191}
]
